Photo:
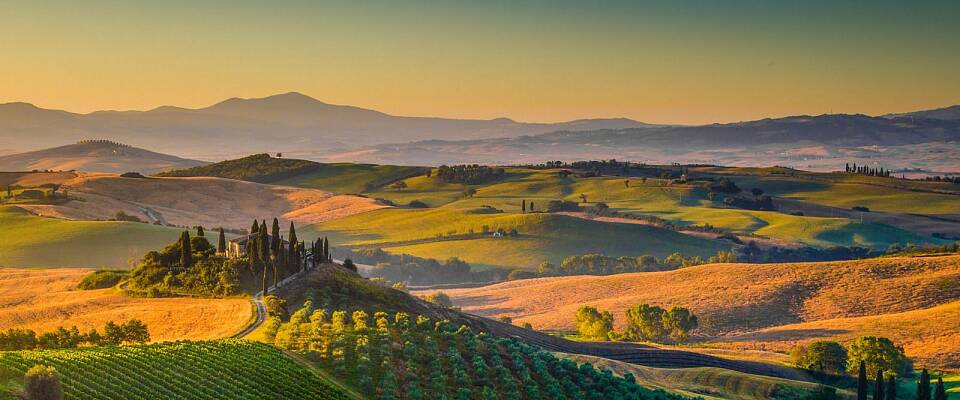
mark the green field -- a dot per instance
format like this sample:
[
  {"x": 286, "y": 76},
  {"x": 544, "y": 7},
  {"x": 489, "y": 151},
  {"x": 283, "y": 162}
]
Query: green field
[
  {"x": 454, "y": 215},
  {"x": 30, "y": 241},
  {"x": 349, "y": 178},
  {"x": 228, "y": 369}
]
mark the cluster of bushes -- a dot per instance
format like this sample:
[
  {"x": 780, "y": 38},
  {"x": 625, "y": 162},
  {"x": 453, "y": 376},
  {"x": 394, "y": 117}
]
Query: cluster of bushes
[
  {"x": 124, "y": 217},
  {"x": 133, "y": 331},
  {"x": 468, "y": 174},
  {"x": 101, "y": 280},
  {"x": 645, "y": 322},
  {"x": 401, "y": 356},
  {"x": 755, "y": 254},
  {"x": 599, "y": 264}
]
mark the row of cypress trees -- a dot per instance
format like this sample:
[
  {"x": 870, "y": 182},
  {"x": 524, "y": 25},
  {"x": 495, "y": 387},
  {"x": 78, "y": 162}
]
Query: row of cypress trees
[{"x": 888, "y": 390}]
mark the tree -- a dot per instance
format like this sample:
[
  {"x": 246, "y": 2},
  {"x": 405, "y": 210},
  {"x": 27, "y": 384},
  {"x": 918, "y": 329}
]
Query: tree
[
  {"x": 255, "y": 227},
  {"x": 222, "y": 243},
  {"x": 200, "y": 230},
  {"x": 263, "y": 244},
  {"x": 135, "y": 331},
  {"x": 878, "y": 386},
  {"x": 294, "y": 258},
  {"x": 645, "y": 322},
  {"x": 941, "y": 392},
  {"x": 862, "y": 382},
  {"x": 678, "y": 322},
  {"x": 275, "y": 239},
  {"x": 42, "y": 383},
  {"x": 546, "y": 269},
  {"x": 186, "y": 256},
  {"x": 823, "y": 356},
  {"x": 399, "y": 185},
  {"x": 593, "y": 324},
  {"x": 879, "y": 353},
  {"x": 923, "y": 386},
  {"x": 348, "y": 264},
  {"x": 113, "y": 334},
  {"x": 523, "y": 206},
  {"x": 469, "y": 192},
  {"x": 892, "y": 388}
]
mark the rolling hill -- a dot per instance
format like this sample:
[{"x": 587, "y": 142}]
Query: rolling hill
[
  {"x": 95, "y": 156},
  {"x": 739, "y": 298}
]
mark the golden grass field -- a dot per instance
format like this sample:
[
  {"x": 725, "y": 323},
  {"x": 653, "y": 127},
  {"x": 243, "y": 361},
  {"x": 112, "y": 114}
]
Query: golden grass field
[
  {"x": 211, "y": 202},
  {"x": 911, "y": 300},
  {"x": 44, "y": 299}
]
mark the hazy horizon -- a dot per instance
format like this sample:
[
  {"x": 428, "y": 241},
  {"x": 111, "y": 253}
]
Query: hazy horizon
[{"x": 669, "y": 62}]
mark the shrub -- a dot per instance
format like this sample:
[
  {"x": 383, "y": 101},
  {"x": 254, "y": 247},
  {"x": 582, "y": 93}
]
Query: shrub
[
  {"x": 879, "y": 353},
  {"x": 417, "y": 204},
  {"x": 42, "y": 383},
  {"x": 520, "y": 274},
  {"x": 824, "y": 356},
  {"x": 101, "y": 280},
  {"x": 439, "y": 298}
]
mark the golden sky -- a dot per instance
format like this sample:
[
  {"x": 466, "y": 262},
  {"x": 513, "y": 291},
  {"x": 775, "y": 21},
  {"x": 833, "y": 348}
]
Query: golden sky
[{"x": 662, "y": 62}]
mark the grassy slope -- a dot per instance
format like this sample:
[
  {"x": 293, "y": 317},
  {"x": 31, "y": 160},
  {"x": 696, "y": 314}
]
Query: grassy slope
[
  {"x": 349, "y": 178},
  {"x": 187, "y": 370},
  {"x": 732, "y": 298},
  {"x": 30, "y": 241},
  {"x": 926, "y": 334}
]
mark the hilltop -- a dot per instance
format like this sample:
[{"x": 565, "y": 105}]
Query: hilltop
[
  {"x": 340, "y": 178},
  {"x": 95, "y": 156}
]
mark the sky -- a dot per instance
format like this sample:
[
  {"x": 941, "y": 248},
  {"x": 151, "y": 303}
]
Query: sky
[{"x": 660, "y": 62}]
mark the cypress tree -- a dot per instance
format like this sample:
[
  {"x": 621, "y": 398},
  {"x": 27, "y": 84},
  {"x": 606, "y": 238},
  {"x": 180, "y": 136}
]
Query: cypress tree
[
  {"x": 941, "y": 393},
  {"x": 878, "y": 388},
  {"x": 222, "y": 243},
  {"x": 862, "y": 382},
  {"x": 923, "y": 386},
  {"x": 200, "y": 230},
  {"x": 255, "y": 227},
  {"x": 186, "y": 256},
  {"x": 263, "y": 243},
  {"x": 892, "y": 388},
  {"x": 275, "y": 239},
  {"x": 294, "y": 258},
  {"x": 523, "y": 205},
  {"x": 326, "y": 250}
]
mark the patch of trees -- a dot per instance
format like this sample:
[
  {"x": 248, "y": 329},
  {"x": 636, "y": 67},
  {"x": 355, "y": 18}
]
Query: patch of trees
[
  {"x": 938, "y": 178},
  {"x": 101, "y": 280},
  {"x": 192, "y": 265},
  {"x": 563, "y": 205},
  {"x": 468, "y": 174},
  {"x": 723, "y": 185},
  {"x": 113, "y": 334},
  {"x": 132, "y": 175},
  {"x": 865, "y": 170},
  {"x": 256, "y": 168},
  {"x": 645, "y": 322},
  {"x": 866, "y": 357},
  {"x": 403, "y": 356},
  {"x": 122, "y": 216}
]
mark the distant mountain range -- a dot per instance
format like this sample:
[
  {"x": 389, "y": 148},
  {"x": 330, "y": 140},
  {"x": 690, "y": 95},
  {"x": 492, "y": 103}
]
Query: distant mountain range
[
  {"x": 283, "y": 123},
  {"x": 95, "y": 156},
  {"x": 303, "y": 127}
]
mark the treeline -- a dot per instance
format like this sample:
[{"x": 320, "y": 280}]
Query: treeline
[
  {"x": 865, "y": 170},
  {"x": 599, "y": 264},
  {"x": 468, "y": 174},
  {"x": 938, "y": 178},
  {"x": 133, "y": 331},
  {"x": 402, "y": 356},
  {"x": 752, "y": 253},
  {"x": 417, "y": 271},
  {"x": 645, "y": 323}
]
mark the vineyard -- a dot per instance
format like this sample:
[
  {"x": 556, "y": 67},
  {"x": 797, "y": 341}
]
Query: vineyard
[
  {"x": 228, "y": 369},
  {"x": 402, "y": 357}
]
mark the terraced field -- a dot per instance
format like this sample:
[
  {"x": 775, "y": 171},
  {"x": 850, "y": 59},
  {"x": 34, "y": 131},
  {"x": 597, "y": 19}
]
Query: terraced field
[{"x": 180, "y": 370}]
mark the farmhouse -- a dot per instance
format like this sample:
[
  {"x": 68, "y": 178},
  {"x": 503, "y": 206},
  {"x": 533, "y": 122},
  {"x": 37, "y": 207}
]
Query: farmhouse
[{"x": 237, "y": 247}]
